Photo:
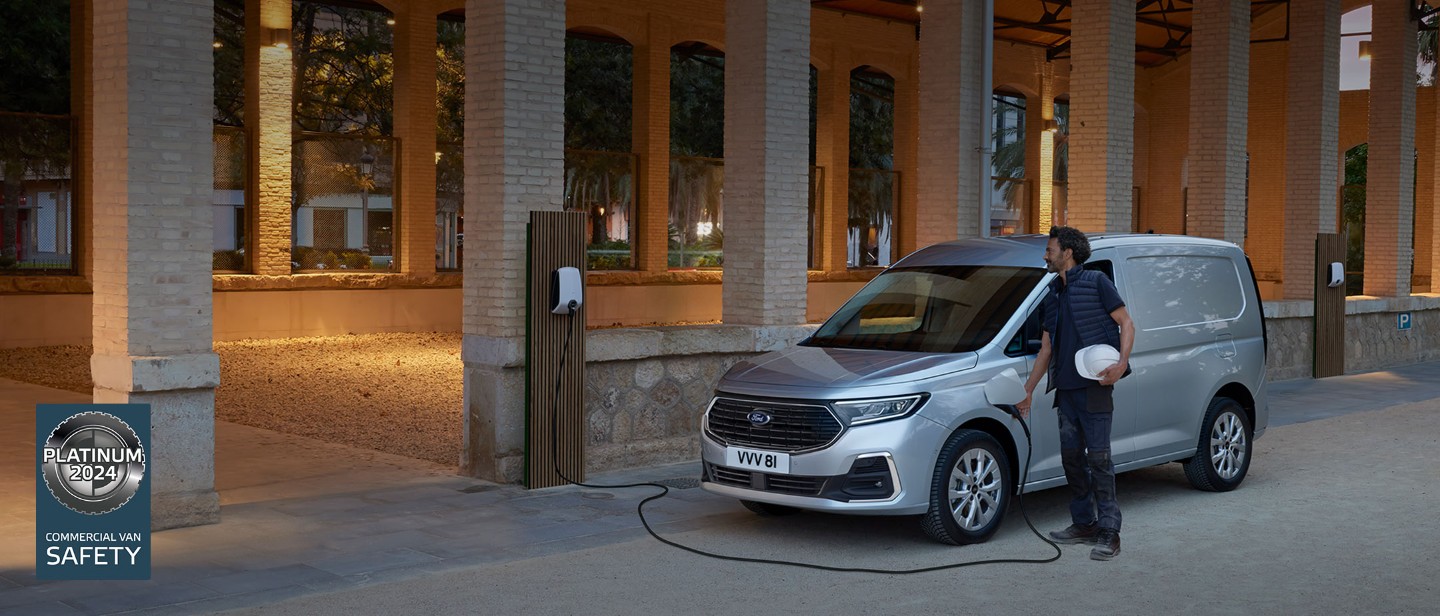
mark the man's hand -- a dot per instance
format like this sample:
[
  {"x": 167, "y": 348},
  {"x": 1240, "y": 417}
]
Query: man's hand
[
  {"x": 1024, "y": 406},
  {"x": 1109, "y": 375}
]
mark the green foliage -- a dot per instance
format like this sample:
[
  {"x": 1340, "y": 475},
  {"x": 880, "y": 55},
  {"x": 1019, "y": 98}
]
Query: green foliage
[
  {"x": 1352, "y": 209},
  {"x": 230, "y": 62},
  {"x": 598, "y": 92},
  {"x": 35, "y": 52},
  {"x": 227, "y": 260},
  {"x": 304, "y": 258},
  {"x": 872, "y": 120},
  {"x": 354, "y": 259},
  {"x": 697, "y": 101},
  {"x": 450, "y": 81},
  {"x": 330, "y": 260},
  {"x": 344, "y": 69},
  {"x": 608, "y": 255}
]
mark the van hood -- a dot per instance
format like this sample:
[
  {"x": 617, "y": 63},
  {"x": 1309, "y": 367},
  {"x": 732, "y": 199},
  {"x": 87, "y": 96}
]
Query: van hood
[{"x": 833, "y": 367}]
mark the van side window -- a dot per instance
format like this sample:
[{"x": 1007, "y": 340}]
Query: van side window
[
  {"x": 1027, "y": 340},
  {"x": 1103, "y": 266},
  {"x": 1179, "y": 290}
]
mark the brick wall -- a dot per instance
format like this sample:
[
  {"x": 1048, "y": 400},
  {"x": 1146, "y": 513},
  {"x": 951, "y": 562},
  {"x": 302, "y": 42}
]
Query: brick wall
[{"x": 1102, "y": 107}]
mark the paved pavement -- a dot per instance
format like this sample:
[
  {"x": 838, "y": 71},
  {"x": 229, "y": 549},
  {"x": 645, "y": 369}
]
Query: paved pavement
[{"x": 1337, "y": 515}]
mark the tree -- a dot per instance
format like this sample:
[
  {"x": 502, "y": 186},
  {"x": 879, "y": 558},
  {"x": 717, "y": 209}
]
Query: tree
[
  {"x": 344, "y": 70},
  {"x": 35, "y": 52},
  {"x": 1353, "y": 215}
]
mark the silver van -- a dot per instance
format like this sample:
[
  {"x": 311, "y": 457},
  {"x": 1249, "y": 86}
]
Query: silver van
[{"x": 884, "y": 409}]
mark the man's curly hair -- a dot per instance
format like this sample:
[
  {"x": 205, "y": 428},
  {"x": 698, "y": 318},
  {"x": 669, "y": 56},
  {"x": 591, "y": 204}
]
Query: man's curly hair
[{"x": 1075, "y": 240}]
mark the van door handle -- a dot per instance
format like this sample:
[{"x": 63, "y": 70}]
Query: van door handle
[{"x": 1225, "y": 345}]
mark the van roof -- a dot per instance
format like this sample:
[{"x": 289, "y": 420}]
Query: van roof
[{"x": 1027, "y": 250}]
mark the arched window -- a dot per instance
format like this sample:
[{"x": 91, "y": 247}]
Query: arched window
[
  {"x": 874, "y": 188},
  {"x": 600, "y": 168},
  {"x": 1009, "y": 199},
  {"x": 1061, "y": 179},
  {"x": 697, "y": 156}
]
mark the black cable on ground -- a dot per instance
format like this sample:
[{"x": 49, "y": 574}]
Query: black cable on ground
[{"x": 665, "y": 490}]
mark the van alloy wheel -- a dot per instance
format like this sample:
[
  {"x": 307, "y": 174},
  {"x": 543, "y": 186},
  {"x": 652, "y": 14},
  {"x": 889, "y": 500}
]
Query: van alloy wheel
[
  {"x": 1222, "y": 453},
  {"x": 970, "y": 489}
]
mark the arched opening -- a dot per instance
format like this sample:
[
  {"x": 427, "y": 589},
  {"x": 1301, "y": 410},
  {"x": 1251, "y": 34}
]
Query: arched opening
[
  {"x": 874, "y": 190},
  {"x": 450, "y": 142},
  {"x": 1010, "y": 197},
  {"x": 36, "y": 145},
  {"x": 1355, "y": 37},
  {"x": 600, "y": 167},
  {"x": 697, "y": 156},
  {"x": 1061, "y": 162},
  {"x": 1352, "y": 217},
  {"x": 344, "y": 164}
]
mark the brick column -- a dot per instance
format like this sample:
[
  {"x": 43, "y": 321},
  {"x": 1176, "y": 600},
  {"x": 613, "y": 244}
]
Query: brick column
[
  {"x": 153, "y": 85},
  {"x": 1219, "y": 108},
  {"x": 952, "y": 98},
  {"x": 269, "y": 84},
  {"x": 650, "y": 134},
  {"x": 415, "y": 91},
  {"x": 1389, "y": 183},
  {"x": 1312, "y": 136},
  {"x": 832, "y": 151},
  {"x": 1102, "y": 112},
  {"x": 767, "y": 167},
  {"x": 514, "y": 157},
  {"x": 1040, "y": 147}
]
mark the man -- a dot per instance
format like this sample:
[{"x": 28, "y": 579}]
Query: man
[{"x": 1083, "y": 309}]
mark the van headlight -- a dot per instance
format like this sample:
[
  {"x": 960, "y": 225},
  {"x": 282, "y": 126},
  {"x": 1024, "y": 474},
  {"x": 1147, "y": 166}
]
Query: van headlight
[{"x": 857, "y": 412}]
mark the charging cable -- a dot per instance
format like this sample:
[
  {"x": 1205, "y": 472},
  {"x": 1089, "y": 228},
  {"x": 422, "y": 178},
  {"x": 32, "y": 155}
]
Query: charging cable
[{"x": 665, "y": 490}]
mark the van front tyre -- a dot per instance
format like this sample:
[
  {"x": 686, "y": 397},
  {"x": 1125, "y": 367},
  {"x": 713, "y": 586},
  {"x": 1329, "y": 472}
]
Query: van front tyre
[
  {"x": 969, "y": 491},
  {"x": 1222, "y": 456}
]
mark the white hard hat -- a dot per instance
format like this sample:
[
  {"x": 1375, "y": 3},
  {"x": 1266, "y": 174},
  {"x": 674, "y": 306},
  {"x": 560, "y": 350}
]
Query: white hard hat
[{"x": 1090, "y": 360}]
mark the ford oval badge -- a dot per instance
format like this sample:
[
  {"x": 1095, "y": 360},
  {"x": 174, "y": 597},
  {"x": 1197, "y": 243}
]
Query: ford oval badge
[{"x": 759, "y": 418}]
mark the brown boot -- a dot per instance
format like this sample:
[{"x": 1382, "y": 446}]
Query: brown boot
[
  {"x": 1107, "y": 545},
  {"x": 1076, "y": 533}
]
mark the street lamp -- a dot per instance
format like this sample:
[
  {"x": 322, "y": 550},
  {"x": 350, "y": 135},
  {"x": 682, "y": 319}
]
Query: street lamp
[{"x": 367, "y": 164}]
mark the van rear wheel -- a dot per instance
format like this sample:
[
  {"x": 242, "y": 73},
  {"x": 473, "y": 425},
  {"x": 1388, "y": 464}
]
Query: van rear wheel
[
  {"x": 1222, "y": 456},
  {"x": 970, "y": 490}
]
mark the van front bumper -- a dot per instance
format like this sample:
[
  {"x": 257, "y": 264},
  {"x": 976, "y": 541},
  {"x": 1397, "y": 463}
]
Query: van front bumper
[{"x": 883, "y": 468}]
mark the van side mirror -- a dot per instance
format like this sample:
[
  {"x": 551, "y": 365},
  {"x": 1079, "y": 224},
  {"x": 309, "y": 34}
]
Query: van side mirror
[{"x": 1005, "y": 389}]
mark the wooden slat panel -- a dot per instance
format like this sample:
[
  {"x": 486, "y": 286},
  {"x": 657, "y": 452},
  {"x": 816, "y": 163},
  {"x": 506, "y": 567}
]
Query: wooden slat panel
[
  {"x": 1329, "y": 308},
  {"x": 557, "y": 239}
]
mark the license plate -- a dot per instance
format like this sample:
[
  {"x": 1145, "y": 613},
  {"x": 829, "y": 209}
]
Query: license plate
[{"x": 758, "y": 460}]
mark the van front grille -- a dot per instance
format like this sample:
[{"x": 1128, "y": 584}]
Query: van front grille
[{"x": 790, "y": 427}]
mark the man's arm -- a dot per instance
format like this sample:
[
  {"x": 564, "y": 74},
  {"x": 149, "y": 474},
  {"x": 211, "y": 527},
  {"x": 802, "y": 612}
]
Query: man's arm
[
  {"x": 1109, "y": 375},
  {"x": 1042, "y": 364}
]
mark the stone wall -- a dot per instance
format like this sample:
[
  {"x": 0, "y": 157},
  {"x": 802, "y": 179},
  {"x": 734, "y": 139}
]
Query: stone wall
[
  {"x": 645, "y": 389},
  {"x": 1373, "y": 340}
]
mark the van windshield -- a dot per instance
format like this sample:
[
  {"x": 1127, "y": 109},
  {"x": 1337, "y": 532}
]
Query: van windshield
[{"x": 938, "y": 309}]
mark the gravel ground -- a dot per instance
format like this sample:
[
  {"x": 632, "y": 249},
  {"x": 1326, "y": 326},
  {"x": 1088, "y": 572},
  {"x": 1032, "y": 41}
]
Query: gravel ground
[{"x": 396, "y": 393}]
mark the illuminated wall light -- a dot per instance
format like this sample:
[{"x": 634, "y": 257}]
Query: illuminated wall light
[
  {"x": 1051, "y": 126},
  {"x": 278, "y": 38},
  {"x": 217, "y": 44},
  {"x": 1365, "y": 50},
  {"x": 390, "y": 21}
]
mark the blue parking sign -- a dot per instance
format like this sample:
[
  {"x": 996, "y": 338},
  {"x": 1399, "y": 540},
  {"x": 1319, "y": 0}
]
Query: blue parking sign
[{"x": 1403, "y": 320}]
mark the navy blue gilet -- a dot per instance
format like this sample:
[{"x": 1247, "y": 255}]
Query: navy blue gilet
[{"x": 1093, "y": 323}]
